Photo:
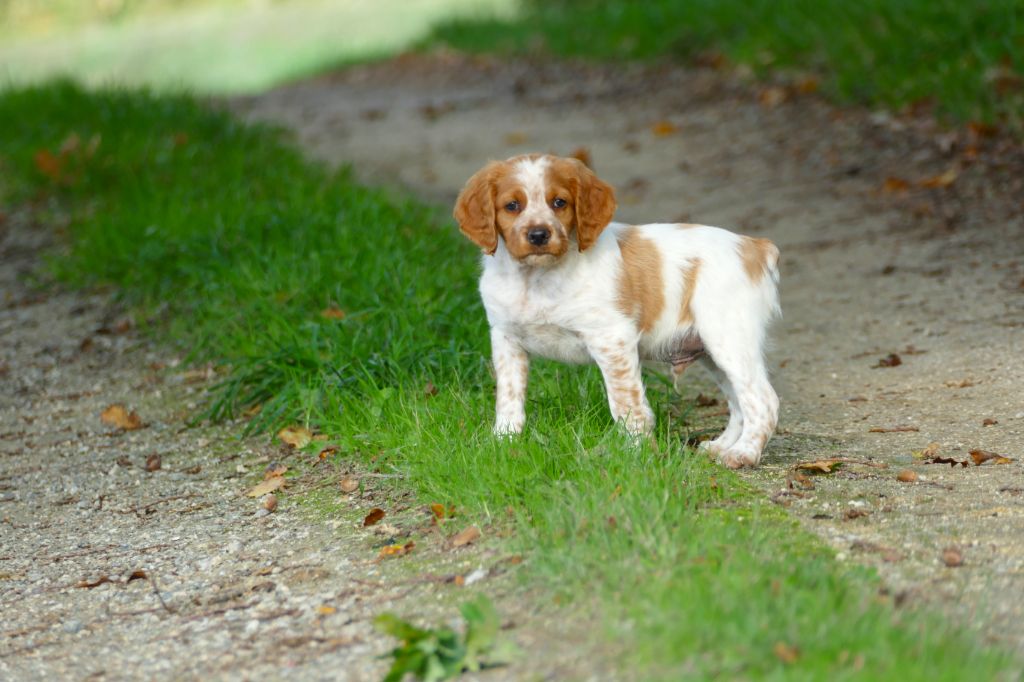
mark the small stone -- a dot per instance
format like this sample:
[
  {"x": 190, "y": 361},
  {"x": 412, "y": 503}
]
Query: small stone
[
  {"x": 906, "y": 476},
  {"x": 72, "y": 627},
  {"x": 476, "y": 576},
  {"x": 261, "y": 512}
]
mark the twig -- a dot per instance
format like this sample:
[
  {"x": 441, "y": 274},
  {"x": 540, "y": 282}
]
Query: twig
[
  {"x": 139, "y": 509},
  {"x": 156, "y": 591}
]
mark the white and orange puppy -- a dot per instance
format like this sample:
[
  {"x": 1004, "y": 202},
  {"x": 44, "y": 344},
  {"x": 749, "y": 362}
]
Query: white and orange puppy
[{"x": 562, "y": 281}]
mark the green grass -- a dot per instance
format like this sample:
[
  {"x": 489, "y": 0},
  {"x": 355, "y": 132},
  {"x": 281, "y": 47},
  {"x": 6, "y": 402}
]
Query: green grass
[
  {"x": 966, "y": 57},
  {"x": 228, "y": 243},
  {"x": 219, "y": 46}
]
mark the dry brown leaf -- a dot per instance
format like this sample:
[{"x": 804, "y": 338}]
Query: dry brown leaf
[
  {"x": 893, "y": 185},
  {"x": 274, "y": 469},
  {"x": 267, "y": 486},
  {"x": 822, "y": 465},
  {"x": 116, "y": 415},
  {"x": 851, "y": 514},
  {"x": 988, "y": 421},
  {"x": 270, "y": 504},
  {"x": 941, "y": 180},
  {"x": 786, "y": 653},
  {"x": 375, "y": 515},
  {"x": 296, "y": 436},
  {"x": 349, "y": 484},
  {"x": 465, "y": 537},
  {"x": 325, "y": 610},
  {"x": 664, "y": 128},
  {"x": 332, "y": 313},
  {"x": 49, "y": 165},
  {"x": 329, "y": 450},
  {"x": 890, "y": 360},
  {"x": 438, "y": 510},
  {"x": 906, "y": 476},
  {"x": 807, "y": 85},
  {"x": 94, "y": 583},
  {"x": 982, "y": 456},
  {"x": 952, "y": 557},
  {"x": 772, "y": 96},
  {"x": 929, "y": 450},
  {"x": 395, "y": 550},
  {"x": 893, "y": 429},
  {"x": 154, "y": 462}
]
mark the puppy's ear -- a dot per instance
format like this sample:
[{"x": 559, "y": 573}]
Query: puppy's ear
[
  {"x": 474, "y": 209},
  {"x": 595, "y": 206}
]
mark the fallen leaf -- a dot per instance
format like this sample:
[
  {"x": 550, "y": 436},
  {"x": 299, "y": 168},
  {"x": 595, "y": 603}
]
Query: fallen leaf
[
  {"x": 893, "y": 185},
  {"x": 982, "y": 456},
  {"x": 856, "y": 513},
  {"x": 705, "y": 401},
  {"x": 137, "y": 574},
  {"x": 329, "y": 450},
  {"x": 947, "y": 460},
  {"x": 349, "y": 484},
  {"x": 375, "y": 515},
  {"x": 929, "y": 450},
  {"x": 270, "y": 504},
  {"x": 804, "y": 481},
  {"x": 890, "y": 360},
  {"x": 786, "y": 653},
  {"x": 772, "y": 96},
  {"x": 430, "y": 390},
  {"x": 952, "y": 557},
  {"x": 49, "y": 165},
  {"x": 942, "y": 180},
  {"x": 395, "y": 550},
  {"x": 978, "y": 129},
  {"x": 268, "y": 486},
  {"x": 325, "y": 610},
  {"x": 116, "y": 415},
  {"x": 154, "y": 462},
  {"x": 332, "y": 313},
  {"x": 296, "y": 436},
  {"x": 823, "y": 465},
  {"x": 664, "y": 128},
  {"x": 465, "y": 537},
  {"x": 906, "y": 476},
  {"x": 893, "y": 429},
  {"x": 438, "y": 510},
  {"x": 94, "y": 583},
  {"x": 988, "y": 422},
  {"x": 193, "y": 469},
  {"x": 807, "y": 85},
  {"x": 274, "y": 469}
]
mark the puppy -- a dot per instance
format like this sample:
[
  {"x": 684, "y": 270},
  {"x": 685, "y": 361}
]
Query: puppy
[{"x": 562, "y": 281}]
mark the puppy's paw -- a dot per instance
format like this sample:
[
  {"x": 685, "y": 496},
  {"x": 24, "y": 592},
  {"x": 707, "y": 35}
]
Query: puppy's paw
[
  {"x": 506, "y": 428},
  {"x": 736, "y": 458}
]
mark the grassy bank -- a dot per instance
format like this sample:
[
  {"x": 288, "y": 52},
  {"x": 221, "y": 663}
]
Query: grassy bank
[
  {"x": 335, "y": 305},
  {"x": 965, "y": 57}
]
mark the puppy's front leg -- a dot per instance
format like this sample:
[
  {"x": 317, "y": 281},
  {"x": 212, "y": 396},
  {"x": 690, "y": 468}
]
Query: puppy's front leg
[
  {"x": 620, "y": 365},
  {"x": 511, "y": 365}
]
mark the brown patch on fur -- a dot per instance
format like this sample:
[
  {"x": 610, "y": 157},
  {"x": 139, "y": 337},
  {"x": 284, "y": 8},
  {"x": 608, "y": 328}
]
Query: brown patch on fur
[
  {"x": 690, "y": 272},
  {"x": 759, "y": 256},
  {"x": 474, "y": 209},
  {"x": 591, "y": 200},
  {"x": 686, "y": 226},
  {"x": 641, "y": 294}
]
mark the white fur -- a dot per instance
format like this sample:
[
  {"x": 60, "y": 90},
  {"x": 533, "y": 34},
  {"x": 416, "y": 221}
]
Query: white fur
[{"x": 566, "y": 310}]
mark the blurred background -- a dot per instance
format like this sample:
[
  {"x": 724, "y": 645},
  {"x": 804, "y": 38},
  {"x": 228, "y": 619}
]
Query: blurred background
[{"x": 223, "y": 46}]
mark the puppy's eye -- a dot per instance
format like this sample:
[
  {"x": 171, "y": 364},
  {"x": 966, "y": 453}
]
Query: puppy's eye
[
  {"x": 512, "y": 206},
  {"x": 558, "y": 203}
]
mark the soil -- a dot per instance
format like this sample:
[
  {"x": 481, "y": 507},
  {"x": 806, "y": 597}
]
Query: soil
[
  {"x": 111, "y": 569},
  {"x": 898, "y": 236}
]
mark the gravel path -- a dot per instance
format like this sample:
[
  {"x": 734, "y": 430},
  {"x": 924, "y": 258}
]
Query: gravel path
[{"x": 897, "y": 238}]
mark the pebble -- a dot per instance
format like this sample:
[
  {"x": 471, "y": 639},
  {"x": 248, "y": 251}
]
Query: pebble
[{"x": 72, "y": 626}]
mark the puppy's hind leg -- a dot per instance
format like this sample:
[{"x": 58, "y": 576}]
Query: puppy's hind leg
[{"x": 734, "y": 428}]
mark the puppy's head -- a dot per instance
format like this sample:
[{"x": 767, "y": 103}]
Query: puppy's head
[{"x": 539, "y": 205}]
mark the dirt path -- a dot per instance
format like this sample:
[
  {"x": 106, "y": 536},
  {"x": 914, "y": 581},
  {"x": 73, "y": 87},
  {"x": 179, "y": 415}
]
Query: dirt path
[
  {"x": 115, "y": 567},
  {"x": 874, "y": 262}
]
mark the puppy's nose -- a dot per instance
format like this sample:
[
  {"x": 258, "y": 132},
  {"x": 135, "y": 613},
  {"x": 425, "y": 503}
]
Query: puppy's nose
[{"x": 538, "y": 236}]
